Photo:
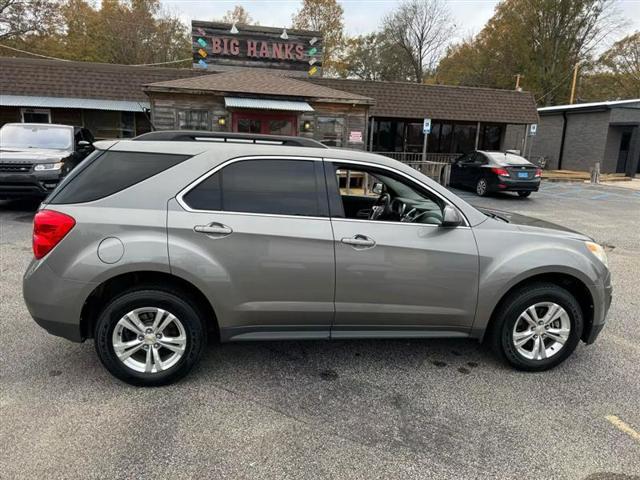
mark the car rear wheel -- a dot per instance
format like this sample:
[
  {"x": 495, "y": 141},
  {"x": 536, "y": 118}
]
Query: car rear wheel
[
  {"x": 482, "y": 188},
  {"x": 149, "y": 337},
  {"x": 524, "y": 194},
  {"x": 537, "y": 327}
]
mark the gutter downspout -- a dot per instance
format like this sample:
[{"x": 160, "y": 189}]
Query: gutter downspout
[{"x": 564, "y": 134}]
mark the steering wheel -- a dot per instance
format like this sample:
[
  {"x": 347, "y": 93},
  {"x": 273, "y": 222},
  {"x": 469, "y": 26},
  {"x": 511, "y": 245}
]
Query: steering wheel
[{"x": 381, "y": 207}]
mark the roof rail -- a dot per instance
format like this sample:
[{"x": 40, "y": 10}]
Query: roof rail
[{"x": 225, "y": 137}]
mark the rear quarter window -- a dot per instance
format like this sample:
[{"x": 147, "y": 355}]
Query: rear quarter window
[{"x": 106, "y": 173}]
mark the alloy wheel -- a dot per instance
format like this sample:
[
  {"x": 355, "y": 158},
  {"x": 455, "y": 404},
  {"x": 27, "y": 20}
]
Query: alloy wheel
[
  {"x": 149, "y": 340},
  {"x": 481, "y": 187},
  {"x": 541, "y": 331}
]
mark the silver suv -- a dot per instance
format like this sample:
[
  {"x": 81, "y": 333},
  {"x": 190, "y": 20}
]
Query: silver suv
[{"x": 153, "y": 245}]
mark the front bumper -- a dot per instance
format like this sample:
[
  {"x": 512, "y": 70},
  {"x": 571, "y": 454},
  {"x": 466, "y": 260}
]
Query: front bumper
[
  {"x": 505, "y": 184},
  {"x": 34, "y": 184},
  {"x": 54, "y": 303},
  {"x": 601, "y": 304}
]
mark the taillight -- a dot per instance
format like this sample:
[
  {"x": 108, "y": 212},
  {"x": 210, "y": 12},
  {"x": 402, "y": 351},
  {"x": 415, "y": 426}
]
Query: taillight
[
  {"x": 538, "y": 172},
  {"x": 49, "y": 227},
  {"x": 500, "y": 171}
]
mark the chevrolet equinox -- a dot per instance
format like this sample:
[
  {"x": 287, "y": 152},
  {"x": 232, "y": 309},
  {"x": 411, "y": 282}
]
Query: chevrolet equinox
[{"x": 153, "y": 245}]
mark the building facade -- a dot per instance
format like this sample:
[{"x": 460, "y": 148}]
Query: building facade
[
  {"x": 576, "y": 137},
  {"x": 118, "y": 101}
]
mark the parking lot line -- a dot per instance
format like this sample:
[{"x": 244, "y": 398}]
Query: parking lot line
[{"x": 623, "y": 427}]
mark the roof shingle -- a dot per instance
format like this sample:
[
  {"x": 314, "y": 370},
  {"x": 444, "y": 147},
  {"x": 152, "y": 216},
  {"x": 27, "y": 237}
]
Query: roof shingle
[
  {"x": 258, "y": 82},
  {"x": 443, "y": 102},
  {"x": 54, "y": 78}
]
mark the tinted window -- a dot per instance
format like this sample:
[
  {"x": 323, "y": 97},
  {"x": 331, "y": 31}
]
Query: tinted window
[
  {"x": 287, "y": 187},
  {"x": 110, "y": 172}
]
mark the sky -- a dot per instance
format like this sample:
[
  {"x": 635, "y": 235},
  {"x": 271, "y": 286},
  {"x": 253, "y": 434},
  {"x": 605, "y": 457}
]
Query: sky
[{"x": 364, "y": 16}]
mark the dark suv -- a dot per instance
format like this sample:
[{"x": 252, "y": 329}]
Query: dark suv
[{"x": 35, "y": 156}]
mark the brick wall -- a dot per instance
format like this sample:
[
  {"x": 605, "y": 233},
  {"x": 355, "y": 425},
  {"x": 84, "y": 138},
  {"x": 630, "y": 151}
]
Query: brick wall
[
  {"x": 585, "y": 140},
  {"x": 548, "y": 138}
]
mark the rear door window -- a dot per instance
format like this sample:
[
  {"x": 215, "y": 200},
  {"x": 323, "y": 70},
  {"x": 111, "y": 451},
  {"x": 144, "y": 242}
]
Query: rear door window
[
  {"x": 283, "y": 187},
  {"x": 106, "y": 173}
]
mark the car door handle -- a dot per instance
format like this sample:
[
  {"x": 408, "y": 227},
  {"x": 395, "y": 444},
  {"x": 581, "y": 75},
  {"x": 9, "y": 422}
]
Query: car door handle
[
  {"x": 213, "y": 229},
  {"x": 361, "y": 241}
]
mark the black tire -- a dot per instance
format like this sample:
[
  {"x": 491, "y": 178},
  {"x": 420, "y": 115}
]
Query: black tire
[
  {"x": 524, "y": 194},
  {"x": 174, "y": 302},
  {"x": 482, "y": 187},
  {"x": 500, "y": 335}
]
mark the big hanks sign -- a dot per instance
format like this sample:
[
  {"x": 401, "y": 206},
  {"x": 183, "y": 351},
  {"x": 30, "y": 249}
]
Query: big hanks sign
[{"x": 219, "y": 46}]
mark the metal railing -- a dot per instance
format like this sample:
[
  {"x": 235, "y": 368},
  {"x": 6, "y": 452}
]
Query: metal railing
[{"x": 437, "y": 166}]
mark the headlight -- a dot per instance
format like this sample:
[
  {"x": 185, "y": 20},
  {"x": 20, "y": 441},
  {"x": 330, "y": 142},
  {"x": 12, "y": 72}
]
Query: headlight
[
  {"x": 598, "y": 251},
  {"x": 48, "y": 166}
]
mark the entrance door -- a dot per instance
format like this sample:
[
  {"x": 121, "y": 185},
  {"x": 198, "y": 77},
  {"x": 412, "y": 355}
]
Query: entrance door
[
  {"x": 266, "y": 123},
  {"x": 623, "y": 153}
]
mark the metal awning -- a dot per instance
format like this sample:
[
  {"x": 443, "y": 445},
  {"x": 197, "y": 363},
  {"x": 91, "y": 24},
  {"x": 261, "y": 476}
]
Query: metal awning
[
  {"x": 263, "y": 104},
  {"x": 64, "y": 102}
]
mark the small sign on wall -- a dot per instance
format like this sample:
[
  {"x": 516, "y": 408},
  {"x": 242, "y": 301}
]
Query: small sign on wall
[
  {"x": 533, "y": 129},
  {"x": 355, "y": 136}
]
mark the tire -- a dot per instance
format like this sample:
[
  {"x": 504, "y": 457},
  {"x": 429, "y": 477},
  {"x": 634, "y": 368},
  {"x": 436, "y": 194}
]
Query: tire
[
  {"x": 524, "y": 194},
  {"x": 482, "y": 187},
  {"x": 179, "y": 345},
  {"x": 509, "y": 313}
]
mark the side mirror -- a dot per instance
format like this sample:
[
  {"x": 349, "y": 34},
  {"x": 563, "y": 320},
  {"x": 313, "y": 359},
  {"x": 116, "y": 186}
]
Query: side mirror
[
  {"x": 450, "y": 217},
  {"x": 377, "y": 188},
  {"x": 84, "y": 145}
]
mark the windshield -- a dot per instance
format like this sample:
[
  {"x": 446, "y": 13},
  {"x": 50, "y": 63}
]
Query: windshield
[{"x": 35, "y": 136}]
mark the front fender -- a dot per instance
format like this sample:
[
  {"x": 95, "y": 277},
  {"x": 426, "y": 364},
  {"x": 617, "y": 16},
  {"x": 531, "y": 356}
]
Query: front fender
[{"x": 516, "y": 256}]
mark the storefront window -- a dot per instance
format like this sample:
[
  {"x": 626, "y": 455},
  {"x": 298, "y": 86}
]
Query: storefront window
[
  {"x": 280, "y": 127},
  {"x": 490, "y": 138},
  {"x": 249, "y": 125},
  {"x": 330, "y": 131},
  {"x": 109, "y": 124},
  {"x": 193, "y": 120},
  {"x": 464, "y": 138},
  {"x": 415, "y": 138}
]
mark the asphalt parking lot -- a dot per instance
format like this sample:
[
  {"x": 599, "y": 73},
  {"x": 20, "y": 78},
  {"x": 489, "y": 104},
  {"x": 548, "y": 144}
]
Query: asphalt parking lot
[{"x": 344, "y": 409}]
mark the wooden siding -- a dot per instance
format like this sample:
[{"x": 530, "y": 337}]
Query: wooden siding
[{"x": 164, "y": 108}]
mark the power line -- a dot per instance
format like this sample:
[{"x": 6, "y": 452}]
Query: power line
[
  {"x": 67, "y": 60},
  {"x": 34, "y": 54},
  {"x": 556, "y": 87}
]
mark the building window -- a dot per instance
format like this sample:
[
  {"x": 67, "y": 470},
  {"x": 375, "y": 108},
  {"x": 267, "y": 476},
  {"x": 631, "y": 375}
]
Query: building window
[
  {"x": 490, "y": 137},
  {"x": 330, "y": 131},
  {"x": 36, "y": 115},
  {"x": 464, "y": 138},
  {"x": 193, "y": 120},
  {"x": 109, "y": 124}
]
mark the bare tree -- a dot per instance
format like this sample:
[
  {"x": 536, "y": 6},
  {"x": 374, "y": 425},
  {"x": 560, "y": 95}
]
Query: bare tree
[
  {"x": 239, "y": 15},
  {"x": 422, "y": 28}
]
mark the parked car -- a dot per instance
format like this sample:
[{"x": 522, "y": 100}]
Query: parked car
[
  {"x": 155, "y": 244},
  {"x": 488, "y": 172},
  {"x": 35, "y": 156}
]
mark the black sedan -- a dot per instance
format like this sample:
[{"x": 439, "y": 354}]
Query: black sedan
[{"x": 495, "y": 172}]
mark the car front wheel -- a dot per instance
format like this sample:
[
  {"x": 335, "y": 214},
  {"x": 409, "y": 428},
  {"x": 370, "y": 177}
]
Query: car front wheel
[
  {"x": 149, "y": 337},
  {"x": 537, "y": 327}
]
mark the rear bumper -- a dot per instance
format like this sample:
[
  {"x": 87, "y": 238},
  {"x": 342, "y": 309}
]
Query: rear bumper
[
  {"x": 28, "y": 184},
  {"x": 54, "y": 302},
  {"x": 503, "y": 184}
]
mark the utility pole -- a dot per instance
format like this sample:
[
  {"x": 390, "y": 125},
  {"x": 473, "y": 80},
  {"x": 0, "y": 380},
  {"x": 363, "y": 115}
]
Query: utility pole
[
  {"x": 573, "y": 84},
  {"x": 518, "y": 77}
]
